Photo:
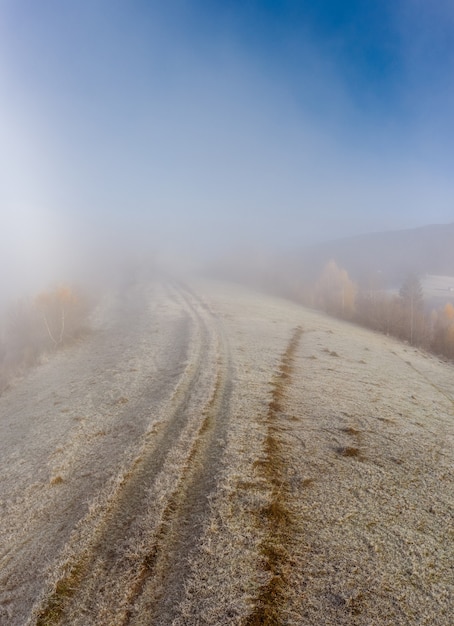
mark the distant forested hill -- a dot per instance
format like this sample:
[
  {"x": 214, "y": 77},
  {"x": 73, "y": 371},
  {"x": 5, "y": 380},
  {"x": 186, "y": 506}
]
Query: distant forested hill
[{"x": 391, "y": 255}]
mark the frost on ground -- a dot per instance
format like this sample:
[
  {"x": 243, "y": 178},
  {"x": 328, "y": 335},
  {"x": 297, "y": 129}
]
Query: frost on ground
[{"x": 212, "y": 455}]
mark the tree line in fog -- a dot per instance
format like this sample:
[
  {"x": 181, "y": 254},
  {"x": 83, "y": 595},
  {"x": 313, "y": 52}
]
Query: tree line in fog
[{"x": 403, "y": 315}]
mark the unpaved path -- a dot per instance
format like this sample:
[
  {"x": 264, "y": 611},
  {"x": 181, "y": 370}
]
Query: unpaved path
[
  {"x": 214, "y": 456},
  {"x": 72, "y": 431}
]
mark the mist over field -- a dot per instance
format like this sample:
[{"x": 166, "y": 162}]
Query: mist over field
[
  {"x": 194, "y": 130},
  {"x": 226, "y": 312}
]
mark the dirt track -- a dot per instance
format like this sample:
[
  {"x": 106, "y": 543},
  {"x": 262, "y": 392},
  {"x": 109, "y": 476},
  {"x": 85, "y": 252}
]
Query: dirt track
[{"x": 213, "y": 456}]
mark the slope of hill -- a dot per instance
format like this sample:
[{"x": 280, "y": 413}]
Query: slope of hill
[
  {"x": 392, "y": 255},
  {"x": 211, "y": 455}
]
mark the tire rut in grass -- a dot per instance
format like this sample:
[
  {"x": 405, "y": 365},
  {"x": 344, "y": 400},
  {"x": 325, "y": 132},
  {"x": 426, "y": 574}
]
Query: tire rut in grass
[
  {"x": 276, "y": 515},
  {"x": 80, "y": 580},
  {"x": 160, "y": 586}
]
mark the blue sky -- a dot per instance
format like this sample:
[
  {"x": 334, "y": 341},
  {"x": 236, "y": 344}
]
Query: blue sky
[{"x": 213, "y": 124}]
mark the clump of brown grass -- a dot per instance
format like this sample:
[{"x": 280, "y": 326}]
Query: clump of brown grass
[
  {"x": 349, "y": 451},
  {"x": 56, "y": 480},
  {"x": 350, "y": 430},
  {"x": 121, "y": 400}
]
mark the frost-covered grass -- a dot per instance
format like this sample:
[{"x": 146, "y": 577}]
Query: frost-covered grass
[
  {"x": 326, "y": 494},
  {"x": 365, "y": 436}
]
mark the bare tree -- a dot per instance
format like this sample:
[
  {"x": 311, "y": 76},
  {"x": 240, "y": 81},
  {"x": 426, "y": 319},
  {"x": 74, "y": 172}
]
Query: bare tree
[
  {"x": 412, "y": 302},
  {"x": 55, "y": 306},
  {"x": 335, "y": 292}
]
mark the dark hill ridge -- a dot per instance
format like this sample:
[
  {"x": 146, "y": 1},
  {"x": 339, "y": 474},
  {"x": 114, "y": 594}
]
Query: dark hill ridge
[{"x": 386, "y": 256}]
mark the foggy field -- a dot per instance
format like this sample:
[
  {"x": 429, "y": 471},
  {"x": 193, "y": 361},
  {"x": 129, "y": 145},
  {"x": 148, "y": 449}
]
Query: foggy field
[
  {"x": 210, "y": 455},
  {"x": 192, "y": 452}
]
